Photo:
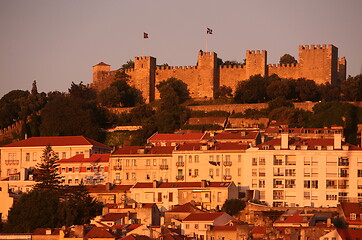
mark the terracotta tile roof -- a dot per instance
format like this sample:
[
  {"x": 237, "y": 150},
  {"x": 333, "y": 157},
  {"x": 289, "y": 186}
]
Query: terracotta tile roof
[
  {"x": 128, "y": 227},
  {"x": 102, "y": 64},
  {"x": 203, "y": 216},
  {"x": 144, "y": 150},
  {"x": 213, "y": 147},
  {"x": 102, "y": 188},
  {"x": 181, "y": 184},
  {"x": 349, "y": 234},
  {"x": 236, "y": 135},
  {"x": 98, "y": 232},
  {"x": 350, "y": 208},
  {"x": 187, "y": 207},
  {"x": 176, "y": 137},
  {"x": 207, "y": 120},
  {"x": 259, "y": 230},
  {"x": 113, "y": 216},
  {"x": 57, "y": 141},
  {"x": 79, "y": 158},
  {"x": 294, "y": 217},
  {"x": 120, "y": 205}
]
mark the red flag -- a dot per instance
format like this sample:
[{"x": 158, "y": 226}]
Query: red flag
[{"x": 145, "y": 35}]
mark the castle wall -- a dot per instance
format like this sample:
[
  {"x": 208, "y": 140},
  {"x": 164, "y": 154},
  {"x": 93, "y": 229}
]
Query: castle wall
[
  {"x": 230, "y": 75},
  {"x": 256, "y": 63},
  {"x": 284, "y": 70}
]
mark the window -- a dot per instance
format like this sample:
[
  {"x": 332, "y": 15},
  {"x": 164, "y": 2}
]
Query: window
[
  {"x": 154, "y": 162},
  {"x": 306, "y": 195},
  {"x": 254, "y": 162},
  {"x": 239, "y": 158},
  {"x": 64, "y": 155},
  {"x": 102, "y": 168},
  {"x": 291, "y": 160},
  {"x": 218, "y": 197},
  {"x": 77, "y": 169},
  {"x": 254, "y": 172},
  {"x": 69, "y": 181},
  {"x": 190, "y": 159},
  {"x": 262, "y": 161},
  {"x": 227, "y": 158},
  {"x": 187, "y": 226},
  {"x": 196, "y": 226},
  {"x": 239, "y": 171},
  {"x": 196, "y": 158},
  {"x": 127, "y": 162},
  {"x": 133, "y": 176},
  {"x": 262, "y": 183},
  {"x": 278, "y": 160},
  {"x": 63, "y": 169},
  {"x": 332, "y": 197},
  {"x": 127, "y": 176},
  {"x": 290, "y": 172},
  {"x": 196, "y": 172},
  {"x": 217, "y": 172},
  {"x": 190, "y": 172},
  {"x": 170, "y": 197},
  {"x": 34, "y": 156},
  {"x": 359, "y": 173},
  {"x": 211, "y": 158},
  {"x": 315, "y": 184},
  {"x": 159, "y": 197},
  {"x": 211, "y": 172},
  {"x": 148, "y": 162},
  {"x": 76, "y": 181},
  {"x": 70, "y": 169},
  {"x": 290, "y": 183},
  {"x": 27, "y": 156},
  {"x": 352, "y": 216},
  {"x": 134, "y": 162},
  {"x": 306, "y": 183},
  {"x": 118, "y": 176},
  {"x": 261, "y": 172}
]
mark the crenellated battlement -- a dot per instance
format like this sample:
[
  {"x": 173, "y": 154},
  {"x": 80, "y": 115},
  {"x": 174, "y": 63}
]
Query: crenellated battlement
[
  {"x": 128, "y": 70},
  {"x": 143, "y": 58},
  {"x": 201, "y": 53},
  {"x": 290, "y": 65},
  {"x": 255, "y": 52},
  {"x": 342, "y": 60},
  {"x": 231, "y": 66},
  {"x": 175, "y": 67},
  {"x": 316, "y": 47}
]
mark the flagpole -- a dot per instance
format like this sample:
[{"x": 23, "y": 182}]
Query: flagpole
[{"x": 206, "y": 41}]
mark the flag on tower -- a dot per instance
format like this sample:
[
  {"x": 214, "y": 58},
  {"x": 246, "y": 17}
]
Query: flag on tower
[
  {"x": 145, "y": 35},
  {"x": 208, "y": 31}
]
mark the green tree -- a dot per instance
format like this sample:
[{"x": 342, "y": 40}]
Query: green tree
[
  {"x": 177, "y": 87},
  {"x": 128, "y": 65},
  {"x": 46, "y": 175},
  {"x": 233, "y": 206},
  {"x": 252, "y": 90},
  {"x": 352, "y": 88},
  {"x": 82, "y": 91},
  {"x": 328, "y": 92},
  {"x": 287, "y": 59},
  {"x": 306, "y": 90},
  {"x": 223, "y": 92}
]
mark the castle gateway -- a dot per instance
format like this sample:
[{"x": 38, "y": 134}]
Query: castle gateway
[{"x": 316, "y": 62}]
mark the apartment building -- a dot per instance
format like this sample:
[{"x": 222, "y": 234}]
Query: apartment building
[
  {"x": 221, "y": 162},
  {"x": 304, "y": 172},
  {"x": 133, "y": 164},
  {"x": 25, "y": 154},
  {"x": 87, "y": 170}
]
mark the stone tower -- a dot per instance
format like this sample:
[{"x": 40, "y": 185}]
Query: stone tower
[
  {"x": 101, "y": 72},
  {"x": 144, "y": 75},
  {"x": 319, "y": 63},
  {"x": 256, "y": 63},
  {"x": 208, "y": 80}
]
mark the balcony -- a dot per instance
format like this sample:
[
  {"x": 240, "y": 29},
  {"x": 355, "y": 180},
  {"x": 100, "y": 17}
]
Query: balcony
[
  {"x": 277, "y": 197},
  {"x": 164, "y": 167},
  {"x": 278, "y": 174},
  {"x": 278, "y": 186},
  {"x": 227, "y": 177},
  {"x": 14, "y": 162},
  {"x": 180, "y": 164},
  {"x": 343, "y": 175},
  {"x": 117, "y": 167},
  {"x": 343, "y": 186},
  {"x": 262, "y": 174},
  {"x": 332, "y": 187},
  {"x": 228, "y": 163},
  {"x": 180, "y": 178},
  {"x": 117, "y": 181}
]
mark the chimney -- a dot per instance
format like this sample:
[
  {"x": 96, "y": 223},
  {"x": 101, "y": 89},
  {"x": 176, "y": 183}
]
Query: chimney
[
  {"x": 329, "y": 222},
  {"x": 284, "y": 141},
  {"x": 337, "y": 141}
]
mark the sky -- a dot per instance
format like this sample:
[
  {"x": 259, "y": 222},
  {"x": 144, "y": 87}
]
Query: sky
[{"x": 57, "y": 42}]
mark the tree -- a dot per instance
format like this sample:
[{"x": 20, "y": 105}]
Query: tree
[
  {"x": 328, "y": 92},
  {"x": 128, "y": 65},
  {"x": 306, "y": 90},
  {"x": 223, "y": 92},
  {"x": 34, "y": 89},
  {"x": 352, "y": 88},
  {"x": 252, "y": 90},
  {"x": 177, "y": 87},
  {"x": 45, "y": 173},
  {"x": 233, "y": 206},
  {"x": 67, "y": 116},
  {"x": 82, "y": 91},
  {"x": 287, "y": 59}
]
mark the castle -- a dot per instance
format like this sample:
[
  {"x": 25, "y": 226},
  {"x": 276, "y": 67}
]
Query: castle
[{"x": 316, "y": 62}]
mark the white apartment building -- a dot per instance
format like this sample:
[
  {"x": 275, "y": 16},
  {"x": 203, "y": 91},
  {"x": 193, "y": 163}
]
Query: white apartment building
[
  {"x": 132, "y": 164},
  {"x": 301, "y": 172},
  {"x": 212, "y": 162},
  {"x": 92, "y": 170},
  {"x": 25, "y": 154}
]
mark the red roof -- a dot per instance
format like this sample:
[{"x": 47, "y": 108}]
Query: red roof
[
  {"x": 259, "y": 230},
  {"x": 144, "y": 150},
  {"x": 236, "y": 135},
  {"x": 128, "y": 227},
  {"x": 102, "y": 188},
  {"x": 98, "y": 232},
  {"x": 349, "y": 233},
  {"x": 79, "y": 158},
  {"x": 176, "y": 137},
  {"x": 187, "y": 207},
  {"x": 113, "y": 216},
  {"x": 102, "y": 64},
  {"x": 57, "y": 141},
  {"x": 350, "y": 208},
  {"x": 205, "y": 216},
  {"x": 181, "y": 184},
  {"x": 135, "y": 237},
  {"x": 294, "y": 217},
  {"x": 213, "y": 147},
  {"x": 224, "y": 228}
]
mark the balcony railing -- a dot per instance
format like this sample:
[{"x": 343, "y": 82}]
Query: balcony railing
[
  {"x": 228, "y": 163},
  {"x": 278, "y": 197},
  {"x": 180, "y": 177},
  {"x": 12, "y": 162},
  {"x": 278, "y": 186},
  {"x": 343, "y": 186},
  {"x": 117, "y": 181},
  {"x": 278, "y": 174},
  {"x": 227, "y": 177},
  {"x": 343, "y": 175},
  {"x": 332, "y": 187},
  {"x": 164, "y": 167},
  {"x": 180, "y": 164},
  {"x": 262, "y": 174},
  {"x": 117, "y": 167}
]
